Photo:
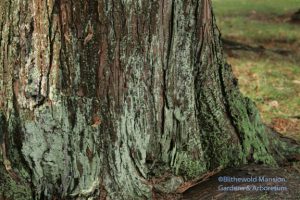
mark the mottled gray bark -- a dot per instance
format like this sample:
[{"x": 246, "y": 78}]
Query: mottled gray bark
[{"x": 102, "y": 99}]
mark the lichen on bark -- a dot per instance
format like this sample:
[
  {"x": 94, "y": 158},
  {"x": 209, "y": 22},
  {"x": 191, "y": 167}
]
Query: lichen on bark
[{"x": 104, "y": 98}]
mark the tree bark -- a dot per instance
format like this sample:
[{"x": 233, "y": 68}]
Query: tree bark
[{"x": 118, "y": 99}]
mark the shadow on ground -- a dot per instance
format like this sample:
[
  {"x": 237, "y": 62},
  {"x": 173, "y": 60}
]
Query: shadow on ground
[{"x": 210, "y": 188}]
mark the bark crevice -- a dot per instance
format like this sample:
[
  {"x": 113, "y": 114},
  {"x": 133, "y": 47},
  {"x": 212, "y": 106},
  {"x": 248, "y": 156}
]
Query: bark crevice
[{"x": 119, "y": 99}]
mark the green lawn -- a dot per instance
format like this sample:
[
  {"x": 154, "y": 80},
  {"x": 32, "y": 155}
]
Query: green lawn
[
  {"x": 258, "y": 21},
  {"x": 270, "y": 79},
  {"x": 244, "y": 7}
]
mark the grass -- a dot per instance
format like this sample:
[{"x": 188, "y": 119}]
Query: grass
[
  {"x": 259, "y": 31},
  {"x": 244, "y": 7},
  {"x": 257, "y": 21},
  {"x": 270, "y": 79}
]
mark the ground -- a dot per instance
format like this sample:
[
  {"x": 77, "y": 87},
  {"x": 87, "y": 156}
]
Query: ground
[
  {"x": 209, "y": 188},
  {"x": 269, "y": 73}
]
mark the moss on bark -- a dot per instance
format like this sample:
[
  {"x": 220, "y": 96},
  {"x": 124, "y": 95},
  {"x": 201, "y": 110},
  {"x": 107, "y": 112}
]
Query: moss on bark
[{"x": 104, "y": 98}]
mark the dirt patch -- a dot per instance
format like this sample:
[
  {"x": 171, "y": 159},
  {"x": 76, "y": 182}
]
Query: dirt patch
[
  {"x": 269, "y": 18},
  {"x": 295, "y": 18},
  {"x": 289, "y": 127},
  {"x": 230, "y": 45}
]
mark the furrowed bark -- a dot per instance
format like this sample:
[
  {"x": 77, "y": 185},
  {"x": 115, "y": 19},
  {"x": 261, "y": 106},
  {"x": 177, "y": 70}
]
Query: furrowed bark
[{"x": 118, "y": 99}]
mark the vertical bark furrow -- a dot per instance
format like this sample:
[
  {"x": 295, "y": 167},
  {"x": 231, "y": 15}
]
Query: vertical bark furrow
[
  {"x": 105, "y": 98},
  {"x": 211, "y": 109}
]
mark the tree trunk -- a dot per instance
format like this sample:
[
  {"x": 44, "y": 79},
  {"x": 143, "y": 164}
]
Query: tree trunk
[{"x": 104, "y": 99}]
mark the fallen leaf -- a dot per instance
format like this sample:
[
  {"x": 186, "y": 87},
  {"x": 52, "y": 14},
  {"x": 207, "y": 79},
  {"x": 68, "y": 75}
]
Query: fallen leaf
[
  {"x": 296, "y": 81},
  {"x": 273, "y": 104}
]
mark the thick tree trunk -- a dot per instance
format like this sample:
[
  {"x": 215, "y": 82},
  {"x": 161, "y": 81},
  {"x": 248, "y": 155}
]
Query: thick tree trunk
[{"x": 117, "y": 99}]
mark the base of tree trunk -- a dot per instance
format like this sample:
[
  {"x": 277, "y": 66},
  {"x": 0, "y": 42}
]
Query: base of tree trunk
[
  {"x": 208, "y": 189},
  {"x": 120, "y": 100}
]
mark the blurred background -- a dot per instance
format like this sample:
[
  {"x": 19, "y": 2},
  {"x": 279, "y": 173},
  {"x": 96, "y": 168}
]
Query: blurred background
[{"x": 261, "y": 39}]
